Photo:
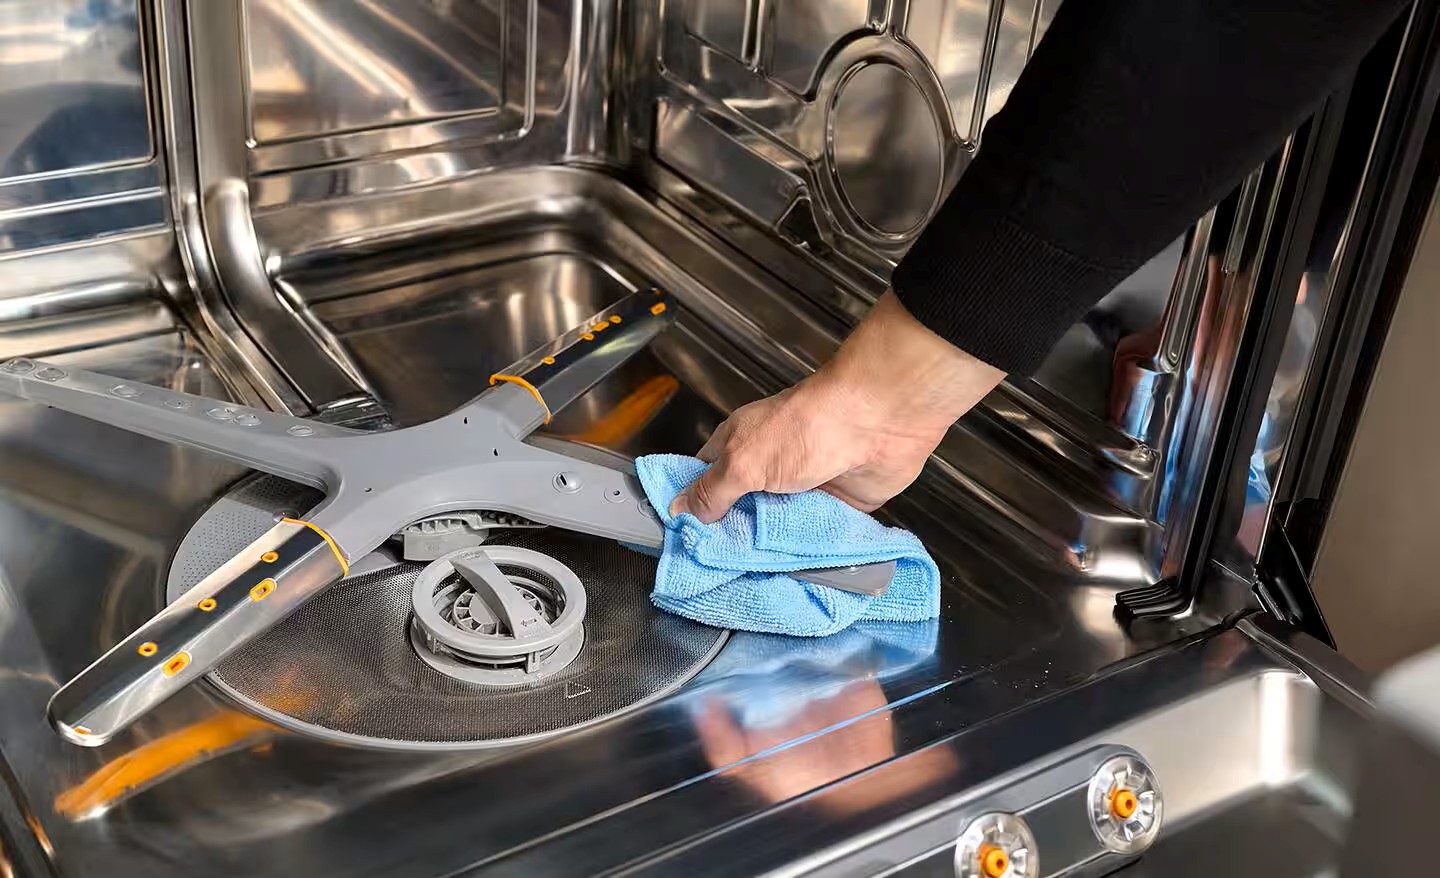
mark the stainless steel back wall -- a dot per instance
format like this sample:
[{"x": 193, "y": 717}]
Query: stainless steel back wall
[
  {"x": 842, "y": 123},
  {"x": 296, "y": 103},
  {"x": 815, "y": 139}
]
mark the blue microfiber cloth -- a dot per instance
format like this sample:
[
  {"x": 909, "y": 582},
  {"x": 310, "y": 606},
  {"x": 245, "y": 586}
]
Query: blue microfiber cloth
[{"x": 731, "y": 574}]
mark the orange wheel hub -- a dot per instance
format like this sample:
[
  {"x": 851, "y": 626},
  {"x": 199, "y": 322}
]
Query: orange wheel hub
[
  {"x": 993, "y": 861},
  {"x": 1123, "y": 804}
]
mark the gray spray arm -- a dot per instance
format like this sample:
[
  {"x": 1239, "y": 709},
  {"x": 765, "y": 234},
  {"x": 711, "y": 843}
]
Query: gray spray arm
[{"x": 375, "y": 484}]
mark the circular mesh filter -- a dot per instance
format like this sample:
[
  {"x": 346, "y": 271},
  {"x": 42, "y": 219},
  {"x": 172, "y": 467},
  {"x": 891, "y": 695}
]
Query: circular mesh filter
[{"x": 342, "y": 666}]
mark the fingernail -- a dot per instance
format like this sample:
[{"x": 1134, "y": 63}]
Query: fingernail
[{"x": 679, "y": 504}]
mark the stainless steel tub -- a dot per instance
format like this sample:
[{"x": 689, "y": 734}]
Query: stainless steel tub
[
  {"x": 399, "y": 252},
  {"x": 1013, "y": 674}
]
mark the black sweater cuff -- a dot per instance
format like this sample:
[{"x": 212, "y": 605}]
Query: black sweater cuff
[{"x": 980, "y": 280}]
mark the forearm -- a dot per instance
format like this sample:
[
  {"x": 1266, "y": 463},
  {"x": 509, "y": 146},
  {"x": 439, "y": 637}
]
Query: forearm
[
  {"x": 1132, "y": 118},
  {"x": 895, "y": 366}
]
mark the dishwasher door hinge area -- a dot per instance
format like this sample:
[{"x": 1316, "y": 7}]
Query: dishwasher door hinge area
[{"x": 1284, "y": 573}]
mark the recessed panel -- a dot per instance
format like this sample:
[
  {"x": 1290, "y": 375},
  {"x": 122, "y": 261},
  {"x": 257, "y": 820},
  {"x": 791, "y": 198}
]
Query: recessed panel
[
  {"x": 72, "y": 86},
  {"x": 319, "y": 67},
  {"x": 951, "y": 36},
  {"x": 805, "y": 32},
  {"x": 1014, "y": 36},
  {"x": 76, "y": 151},
  {"x": 724, "y": 24}
]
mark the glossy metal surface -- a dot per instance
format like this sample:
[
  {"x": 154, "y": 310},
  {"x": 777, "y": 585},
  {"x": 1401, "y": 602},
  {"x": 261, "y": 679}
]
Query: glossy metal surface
[
  {"x": 411, "y": 321},
  {"x": 1126, "y": 807},
  {"x": 331, "y": 99},
  {"x": 196, "y": 291},
  {"x": 997, "y": 845},
  {"x": 51, "y": 640},
  {"x": 312, "y": 362},
  {"x": 77, "y": 158},
  {"x": 191, "y": 635},
  {"x": 1336, "y": 248},
  {"x": 398, "y": 692},
  {"x": 408, "y": 252},
  {"x": 1253, "y": 732},
  {"x": 327, "y": 68},
  {"x": 784, "y": 84},
  {"x": 770, "y": 720},
  {"x": 432, "y": 469},
  {"x": 65, "y": 59},
  {"x": 829, "y": 83},
  {"x": 873, "y": 164},
  {"x": 1015, "y": 630},
  {"x": 420, "y": 92},
  {"x": 83, "y": 207},
  {"x": 1110, "y": 420},
  {"x": 355, "y": 265}
]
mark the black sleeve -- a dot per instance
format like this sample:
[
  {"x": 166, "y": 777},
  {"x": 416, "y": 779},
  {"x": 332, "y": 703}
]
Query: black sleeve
[{"x": 1132, "y": 119}]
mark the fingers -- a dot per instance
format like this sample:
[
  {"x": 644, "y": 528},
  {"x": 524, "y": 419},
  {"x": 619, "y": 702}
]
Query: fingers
[
  {"x": 720, "y": 736},
  {"x": 711, "y": 452},
  {"x": 709, "y": 497}
]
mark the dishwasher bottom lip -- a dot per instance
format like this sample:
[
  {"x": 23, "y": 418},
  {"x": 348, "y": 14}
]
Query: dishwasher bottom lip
[{"x": 1255, "y": 759}]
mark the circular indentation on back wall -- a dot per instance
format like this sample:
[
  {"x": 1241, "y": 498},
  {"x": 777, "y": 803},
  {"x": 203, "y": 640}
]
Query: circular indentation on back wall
[{"x": 885, "y": 149}]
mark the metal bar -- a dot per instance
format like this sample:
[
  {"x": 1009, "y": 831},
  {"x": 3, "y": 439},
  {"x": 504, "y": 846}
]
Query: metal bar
[
  {"x": 255, "y": 438},
  {"x": 561, "y": 372},
  {"x": 244, "y": 598}
]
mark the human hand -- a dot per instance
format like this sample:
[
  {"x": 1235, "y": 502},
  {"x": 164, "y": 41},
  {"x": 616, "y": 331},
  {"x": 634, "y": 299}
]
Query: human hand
[{"x": 860, "y": 428}]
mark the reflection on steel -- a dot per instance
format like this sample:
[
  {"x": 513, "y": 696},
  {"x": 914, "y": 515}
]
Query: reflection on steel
[
  {"x": 619, "y": 426},
  {"x": 859, "y": 714},
  {"x": 332, "y": 81},
  {"x": 1204, "y": 746},
  {"x": 370, "y": 64},
  {"x": 799, "y": 34},
  {"x": 77, "y": 158},
  {"x": 873, "y": 160},
  {"x": 375, "y": 485},
  {"x": 236, "y": 256},
  {"x": 132, "y": 773},
  {"x": 1335, "y": 249},
  {"x": 728, "y": 25},
  {"x": 362, "y": 506},
  {"x": 288, "y": 232}
]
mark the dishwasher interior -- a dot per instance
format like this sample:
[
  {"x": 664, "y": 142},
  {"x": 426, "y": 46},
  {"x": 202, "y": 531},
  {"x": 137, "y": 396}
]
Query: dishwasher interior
[{"x": 358, "y": 211}]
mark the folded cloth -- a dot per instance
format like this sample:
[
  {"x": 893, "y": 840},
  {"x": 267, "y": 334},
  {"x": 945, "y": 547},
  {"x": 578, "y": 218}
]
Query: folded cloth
[{"x": 732, "y": 574}]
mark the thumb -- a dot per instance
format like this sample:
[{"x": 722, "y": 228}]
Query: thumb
[{"x": 709, "y": 497}]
